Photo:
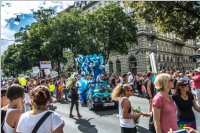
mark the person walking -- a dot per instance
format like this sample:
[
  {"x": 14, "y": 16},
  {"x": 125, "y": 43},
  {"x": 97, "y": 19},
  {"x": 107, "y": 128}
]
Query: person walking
[
  {"x": 126, "y": 114},
  {"x": 40, "y": 119},
  {"x": 74, "y": 98},
  {"x": 185, "y": 101},
  {"x": 163, "y": 106}
]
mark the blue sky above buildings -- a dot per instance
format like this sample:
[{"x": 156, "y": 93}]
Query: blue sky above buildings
[{"x": 24, "y": 9}]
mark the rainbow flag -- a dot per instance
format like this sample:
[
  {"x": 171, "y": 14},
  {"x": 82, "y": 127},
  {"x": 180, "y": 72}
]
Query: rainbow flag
[{"x": 182, "y": 124}]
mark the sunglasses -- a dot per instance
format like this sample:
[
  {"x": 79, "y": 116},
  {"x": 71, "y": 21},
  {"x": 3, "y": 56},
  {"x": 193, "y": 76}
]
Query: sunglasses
[
  {"x": 184, "y": 85},
  {"x": 130, "y": 90}
]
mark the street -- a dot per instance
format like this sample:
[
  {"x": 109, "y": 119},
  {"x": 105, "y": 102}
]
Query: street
[{"x": 102, "y": 121}]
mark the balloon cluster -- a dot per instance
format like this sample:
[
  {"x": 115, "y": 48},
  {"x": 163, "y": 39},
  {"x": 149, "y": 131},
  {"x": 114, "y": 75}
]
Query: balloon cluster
[{"x": 91, "y": 64}]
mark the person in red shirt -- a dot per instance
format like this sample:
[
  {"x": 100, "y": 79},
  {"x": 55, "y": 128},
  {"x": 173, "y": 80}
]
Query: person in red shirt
[
  {"x": 196, "y": 84},
  {"x": 164, "y": 109}
]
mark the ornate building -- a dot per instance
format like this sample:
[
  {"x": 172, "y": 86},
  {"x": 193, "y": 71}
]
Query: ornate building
[{"x": 170, "y": 51}]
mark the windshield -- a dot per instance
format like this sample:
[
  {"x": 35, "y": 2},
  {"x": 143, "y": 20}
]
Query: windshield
[{"x": 99, "y": 86}]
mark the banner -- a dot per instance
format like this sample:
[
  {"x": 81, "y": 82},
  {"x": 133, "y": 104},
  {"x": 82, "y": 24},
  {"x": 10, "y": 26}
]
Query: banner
[
  {"x": 45, "y": 64},
  {"x": 153, "y": 63},
  {"x": 54, "y": 74},
  {"x": 36, "y": 69}
]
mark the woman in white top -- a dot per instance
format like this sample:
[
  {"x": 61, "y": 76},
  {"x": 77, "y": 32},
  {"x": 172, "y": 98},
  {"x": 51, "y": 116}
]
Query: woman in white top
[
  {"x": 41, "y": 98},
  {"x": 126, "y": 115},
  {"x": 15, "y": 94}
]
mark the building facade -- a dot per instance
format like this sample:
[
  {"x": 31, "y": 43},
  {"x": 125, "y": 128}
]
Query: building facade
[{"x": 171, "y": 53}]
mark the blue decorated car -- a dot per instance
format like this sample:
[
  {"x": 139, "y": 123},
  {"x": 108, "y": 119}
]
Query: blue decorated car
[{"x": 99, "y": 95}]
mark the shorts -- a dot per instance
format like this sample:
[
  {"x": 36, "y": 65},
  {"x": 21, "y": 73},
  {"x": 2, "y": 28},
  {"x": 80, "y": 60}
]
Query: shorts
[{"x": 128, "y": 130}]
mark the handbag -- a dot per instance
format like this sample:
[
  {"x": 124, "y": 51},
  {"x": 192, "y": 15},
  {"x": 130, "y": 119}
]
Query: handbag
[{"x": 44, "y": 117}]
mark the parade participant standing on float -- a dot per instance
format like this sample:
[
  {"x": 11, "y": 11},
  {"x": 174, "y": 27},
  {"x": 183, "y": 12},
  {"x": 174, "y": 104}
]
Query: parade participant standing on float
[
  {"x": 126, "y": 115},
  {"x": 164, "y": 109}
]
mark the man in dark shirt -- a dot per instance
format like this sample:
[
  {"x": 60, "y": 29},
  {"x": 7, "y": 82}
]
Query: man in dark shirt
[{"x": 74, "y": 98}]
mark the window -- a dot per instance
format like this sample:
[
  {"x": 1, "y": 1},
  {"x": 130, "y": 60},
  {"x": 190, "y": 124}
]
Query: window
[
  {"x": 132, "y": 64},
  {"x": 118, "y": 66},
  {"x": 110, "y": 67}
]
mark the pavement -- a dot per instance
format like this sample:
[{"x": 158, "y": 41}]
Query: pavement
[{"x": 102, "y": 121}]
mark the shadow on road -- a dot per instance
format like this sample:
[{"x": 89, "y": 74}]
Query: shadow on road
[
  {"x": 142, "y": 129},
  {"x": 106, "y": 112},
  {"x": 85, "y": 126},
  {"x": 62, "y": 101}
]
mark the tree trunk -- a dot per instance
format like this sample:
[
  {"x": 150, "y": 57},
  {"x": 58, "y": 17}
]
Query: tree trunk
[
  {"x": 74, "y": 56},
  {"x": 58, "y": 60}
]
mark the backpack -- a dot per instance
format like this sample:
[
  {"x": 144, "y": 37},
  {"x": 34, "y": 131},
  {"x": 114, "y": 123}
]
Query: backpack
[{"x": 3, "y": 115}]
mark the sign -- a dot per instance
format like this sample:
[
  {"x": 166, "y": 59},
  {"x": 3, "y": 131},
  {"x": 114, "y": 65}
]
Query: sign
[
  {"x": 45, "y": 64},
  {"x": 47, "y": 72},
  {"x": 36, "y": 69},
  {"x": 54, "y": 74},
  {"x": 153, "y": 63}
]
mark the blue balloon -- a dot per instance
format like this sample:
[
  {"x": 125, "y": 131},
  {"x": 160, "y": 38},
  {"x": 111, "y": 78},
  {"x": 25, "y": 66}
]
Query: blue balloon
[{"x": 91, "y": 64}]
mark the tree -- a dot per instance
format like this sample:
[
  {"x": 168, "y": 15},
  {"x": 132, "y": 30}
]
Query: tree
[
  {"x": 110, "y": 29},
  {"x": 180, "y": 17},
  {"x": 106, "y": 30}
]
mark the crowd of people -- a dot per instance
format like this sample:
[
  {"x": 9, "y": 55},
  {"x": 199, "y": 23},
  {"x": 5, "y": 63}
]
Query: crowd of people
[{"x": 172, "y": 96}]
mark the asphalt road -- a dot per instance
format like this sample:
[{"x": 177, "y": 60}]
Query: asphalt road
[{"x": 102, "y": 121}]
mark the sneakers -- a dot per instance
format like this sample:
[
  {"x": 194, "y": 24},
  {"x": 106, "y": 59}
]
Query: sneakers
[
  {"x": 71, "y": 116},
  {"x": 79, "y": 115}
]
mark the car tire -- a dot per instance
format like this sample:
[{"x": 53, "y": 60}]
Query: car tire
[{"x": 90, "y": 105}]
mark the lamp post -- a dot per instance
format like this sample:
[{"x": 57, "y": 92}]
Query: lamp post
[{"x": 17, "y": 20}]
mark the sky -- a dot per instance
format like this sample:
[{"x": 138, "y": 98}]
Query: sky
[{"x": 24, "y": 9}]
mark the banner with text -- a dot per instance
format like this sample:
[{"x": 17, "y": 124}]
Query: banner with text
[{"x": 45, "y": 64}]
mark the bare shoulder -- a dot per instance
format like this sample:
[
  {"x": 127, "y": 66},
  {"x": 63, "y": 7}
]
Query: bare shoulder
[{"x": 15, "y": 113}]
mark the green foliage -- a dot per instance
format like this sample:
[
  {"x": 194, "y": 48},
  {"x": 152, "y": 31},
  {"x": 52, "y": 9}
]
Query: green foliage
[
  {"x": 109, "y": 30},
  {"x": 181, "y": 17},
  {"x": 106, "y": 30}
]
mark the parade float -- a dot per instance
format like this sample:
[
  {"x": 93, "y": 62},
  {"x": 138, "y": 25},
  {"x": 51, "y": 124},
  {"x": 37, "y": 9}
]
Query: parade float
[{"x": 96, "y": 92}]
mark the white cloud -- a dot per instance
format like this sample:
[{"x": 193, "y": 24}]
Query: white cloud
[{"x": 14, "y": 8}]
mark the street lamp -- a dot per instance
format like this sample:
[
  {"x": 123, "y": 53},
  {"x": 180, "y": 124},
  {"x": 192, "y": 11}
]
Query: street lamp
[{"x": 17, "y": 20}]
